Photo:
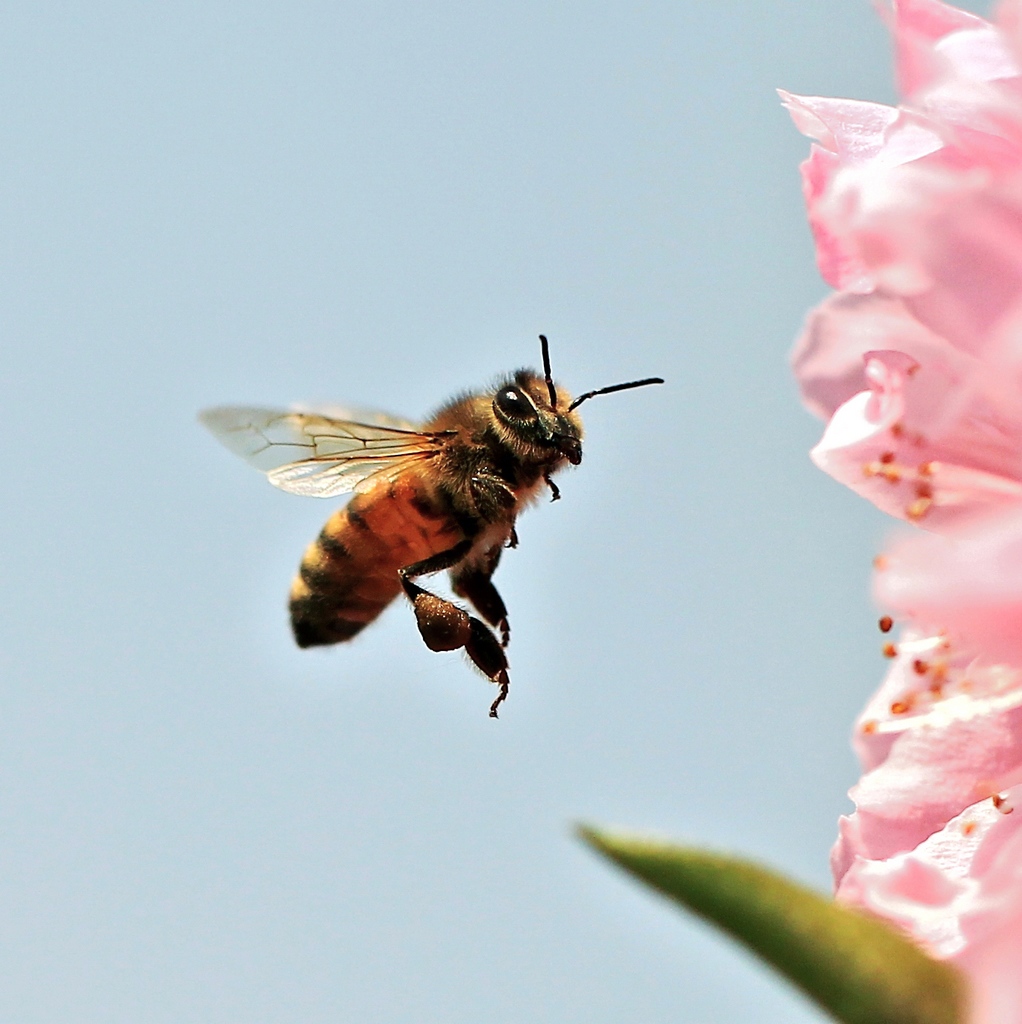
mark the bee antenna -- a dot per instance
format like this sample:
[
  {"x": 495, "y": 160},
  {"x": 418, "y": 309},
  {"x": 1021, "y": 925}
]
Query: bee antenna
[
  {"x": 614, "y": 387},
  {"x": 546, "y": 370}
]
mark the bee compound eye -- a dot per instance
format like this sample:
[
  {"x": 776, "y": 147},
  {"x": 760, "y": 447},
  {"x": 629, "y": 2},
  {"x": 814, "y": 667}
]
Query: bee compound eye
[{"x": 513, "y": 403}]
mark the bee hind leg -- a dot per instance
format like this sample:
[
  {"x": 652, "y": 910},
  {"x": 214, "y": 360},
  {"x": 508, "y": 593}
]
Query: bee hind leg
[
  {"x": 504, "y": 683},
  {"x": 474, "y": 584},
  {"x": 444, "y": 626},
  {"x": 488, "y": 656}
]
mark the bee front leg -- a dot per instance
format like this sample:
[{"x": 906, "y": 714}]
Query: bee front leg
[
  {"x": 444, "y": 626},
  {"x": 555, "y": 491}
]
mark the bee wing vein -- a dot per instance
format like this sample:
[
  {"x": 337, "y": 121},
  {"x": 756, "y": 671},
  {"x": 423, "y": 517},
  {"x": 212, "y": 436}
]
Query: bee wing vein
[{"x": 316, "y": 455}]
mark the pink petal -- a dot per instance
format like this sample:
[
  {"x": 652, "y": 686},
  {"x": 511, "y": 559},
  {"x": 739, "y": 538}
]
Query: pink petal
[
  {"x": 980, "y": 123},
  {"x": 934, "y": 434},
  {"x": 837, "y": 263},
  {"x": 992, "y": 968},
  {"x": 828, "y": 358},
  {"x": 925, "y": 672},
  {"x": 949, "y": 241},
  {"x": 850, "y": 133},
  {"x": 853, "y": 130},
  {"x": 1009, "y": 21},
  {"x": 931, "y": 19},
  {"x": 959, "y": 894},
  {"x": 979, "y": 54},
  {"x": 918, "y": 26},
  {"x": 969, "y": 584},
  {"x": 860, "y": 133},
  {"x": 991, "y": 923},
  {"x": 927, "y": 889},
  {"x": 934, "y": 770},
  {"x": 969, "y": 250},
  {"x": 911, "y": 447}
]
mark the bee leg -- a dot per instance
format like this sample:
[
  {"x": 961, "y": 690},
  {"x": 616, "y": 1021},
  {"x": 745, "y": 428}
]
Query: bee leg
[
  {"x": 475, "y": 584},
  {"x": 555, "y": 492},
  {"x": 512, "y": 538},
  {"x": 488, "y": 656},
  {"x": 504, "y": 683},
  {"x": 444, "y": 626}
]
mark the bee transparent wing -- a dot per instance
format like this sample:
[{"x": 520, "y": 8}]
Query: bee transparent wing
[
  {"x": 370, "y": 417},
  {"x": 314, "y": 455}
]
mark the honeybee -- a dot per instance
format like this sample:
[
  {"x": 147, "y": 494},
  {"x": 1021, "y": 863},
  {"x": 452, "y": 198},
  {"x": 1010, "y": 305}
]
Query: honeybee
[{"x": 445, "y": 495}]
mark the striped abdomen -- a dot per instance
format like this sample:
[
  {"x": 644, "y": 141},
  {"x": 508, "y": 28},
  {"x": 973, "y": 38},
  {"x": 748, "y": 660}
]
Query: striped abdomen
[{"x": 349, "y": 573}]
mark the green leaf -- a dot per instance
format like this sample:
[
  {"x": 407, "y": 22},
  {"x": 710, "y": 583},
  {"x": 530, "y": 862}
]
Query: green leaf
[{"x": 856, "y": 967}]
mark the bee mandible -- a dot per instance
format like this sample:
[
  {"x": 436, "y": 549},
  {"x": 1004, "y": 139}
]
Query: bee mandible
[{"x": 443, "y": 496}]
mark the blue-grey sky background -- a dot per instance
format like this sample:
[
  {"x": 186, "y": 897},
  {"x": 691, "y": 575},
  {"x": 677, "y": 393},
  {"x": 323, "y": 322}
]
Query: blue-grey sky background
[{"x": 384, "y": 203}]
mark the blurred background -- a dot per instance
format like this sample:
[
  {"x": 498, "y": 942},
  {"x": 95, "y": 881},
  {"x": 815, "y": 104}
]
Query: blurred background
[{"x": 382, "y": 204}]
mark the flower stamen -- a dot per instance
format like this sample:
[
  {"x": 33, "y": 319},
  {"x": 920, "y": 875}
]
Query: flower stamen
[
  {"x": 919, "y": 478},
  {"x": 1001, "y": 803}
]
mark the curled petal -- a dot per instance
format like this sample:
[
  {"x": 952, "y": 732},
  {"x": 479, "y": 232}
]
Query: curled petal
[
  {"x": 855, "y": 131},
  {"x": 934, "y": 435},
  {"x": 873, "y": 446},
  {"x": 850, "y": 134}
]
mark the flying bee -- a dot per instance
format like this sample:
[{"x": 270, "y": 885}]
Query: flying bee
[{"x": 445, "y": 495}]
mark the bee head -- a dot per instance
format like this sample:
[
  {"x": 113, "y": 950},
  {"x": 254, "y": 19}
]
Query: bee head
[
  {"x": 540, "y": 417},
  {"x": 536, "y": 419}
]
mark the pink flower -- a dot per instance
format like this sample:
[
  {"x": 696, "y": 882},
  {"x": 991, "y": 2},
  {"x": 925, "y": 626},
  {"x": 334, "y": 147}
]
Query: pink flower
[
  {"x": 935, "y": 843},
  {"x": 917, "y": 216},
  {"x": 916, "y": 364}
]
